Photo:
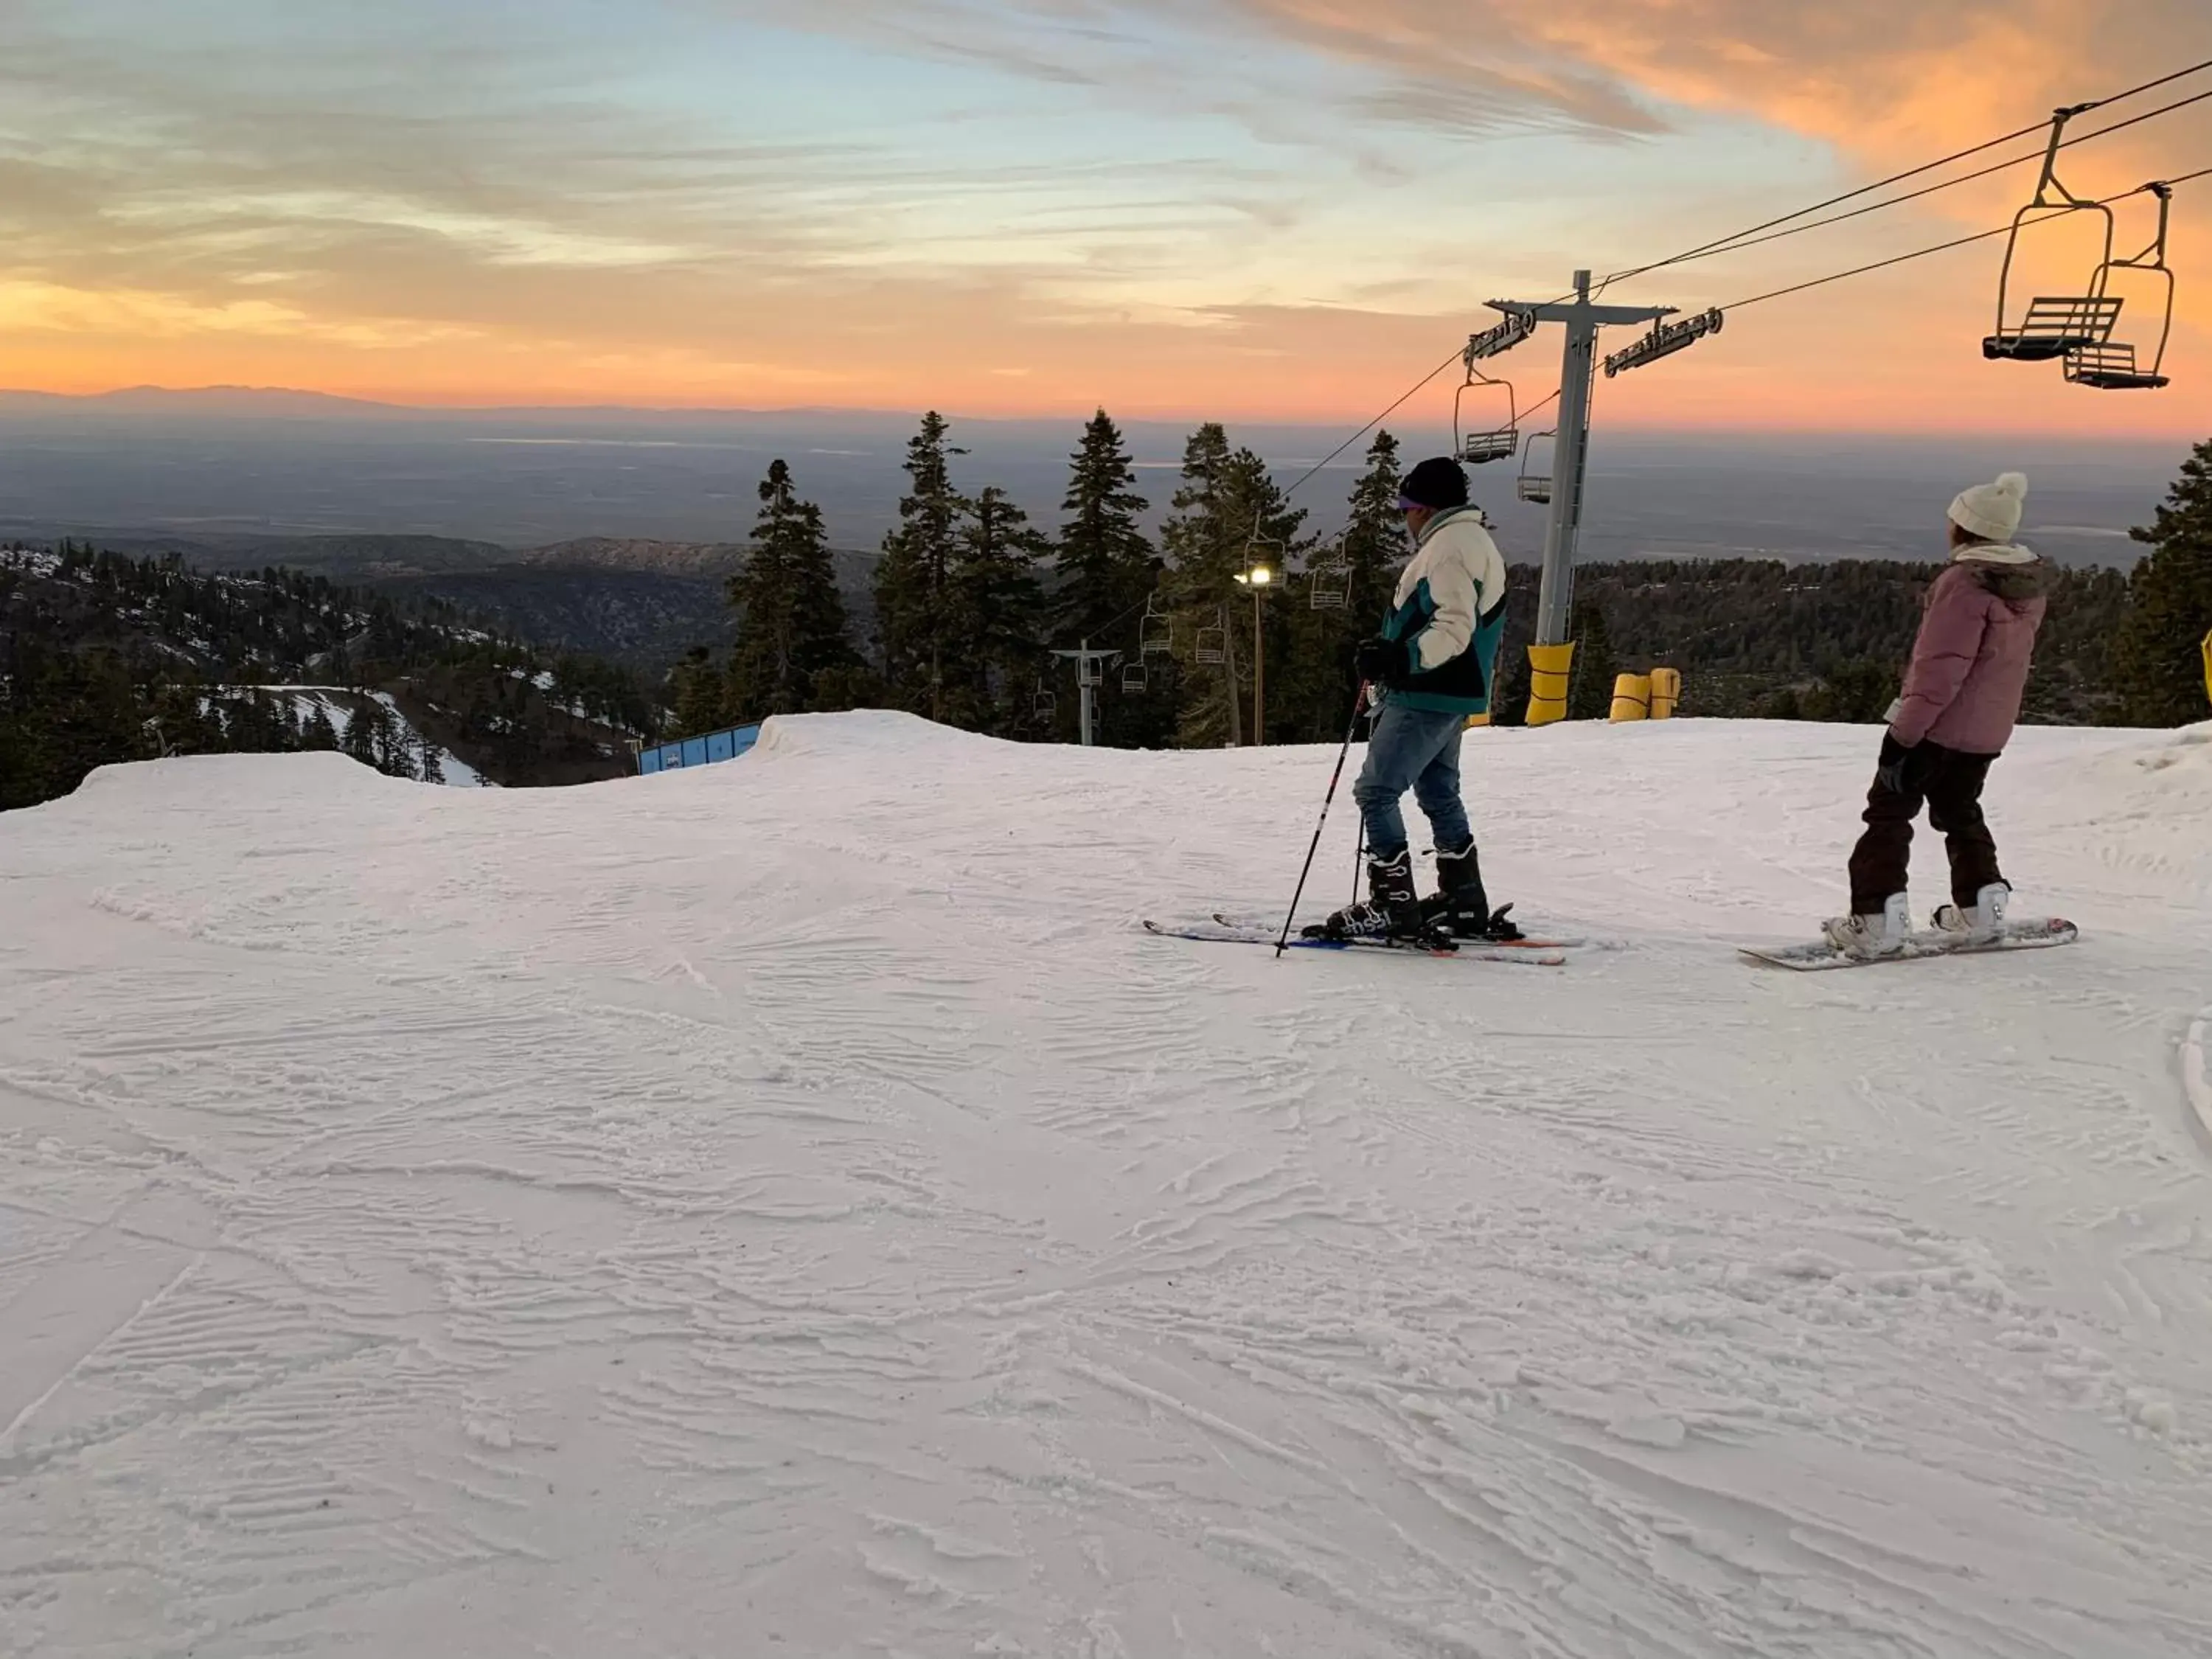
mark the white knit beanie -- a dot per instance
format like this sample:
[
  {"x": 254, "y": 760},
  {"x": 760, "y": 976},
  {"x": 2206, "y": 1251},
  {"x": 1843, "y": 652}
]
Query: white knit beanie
[{"x": 1992, "y": 511}]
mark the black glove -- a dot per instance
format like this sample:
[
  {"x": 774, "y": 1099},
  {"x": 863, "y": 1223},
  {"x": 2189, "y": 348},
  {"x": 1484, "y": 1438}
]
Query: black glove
[
  {"x": 1901, "y": 770},
  {"x": 1384, "y": 662}
]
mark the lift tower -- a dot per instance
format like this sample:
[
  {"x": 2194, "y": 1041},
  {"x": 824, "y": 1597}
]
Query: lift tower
[{"x": 1582, "y": 319}]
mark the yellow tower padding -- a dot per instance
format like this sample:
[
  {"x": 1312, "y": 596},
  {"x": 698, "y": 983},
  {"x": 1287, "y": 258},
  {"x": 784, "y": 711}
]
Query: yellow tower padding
[
  {"x": 1474, "y": 721},
  {"x": 1631, "y": 697},
  {"x": 2207, "y": 664},
  {"x": 1666, "y": 692},
  {"x": 1550, "y": 669}
]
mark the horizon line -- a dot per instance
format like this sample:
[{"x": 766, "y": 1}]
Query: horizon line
[{"x": 343, "y": 402}]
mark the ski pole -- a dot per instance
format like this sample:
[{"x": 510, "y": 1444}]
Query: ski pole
[{"x": 1327, "y": 800}]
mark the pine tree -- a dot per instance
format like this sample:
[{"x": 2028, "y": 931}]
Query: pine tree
[
  {"x": 994, "y": 607},
  {"x": 1105, "y": 561},
  {"x": 1228, "y": 511},
  {"x": 1320, "y": 680},
  {"x": 360, "y": 741},
  {"x": 916, "y": 621},
  {"x": 1589, "y": 691},
  {"x": 1200, "y": 546},
  {"x": 428, "y": 766},
  {"x": 316, "y": 731},
  {"x": 792, "y": 629},
  {"x": 395, "y": 755},
  {"x": 2160, "y": 665},
  {"x": 700, "y": 689}
]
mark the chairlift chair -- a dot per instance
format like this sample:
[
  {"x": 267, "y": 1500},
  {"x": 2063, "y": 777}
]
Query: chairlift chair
[
  {"x": 1328, "y": 580},
  {"x": 1497, "y": 444},
  {"x": 2111, "y": 366},
  {"x": 1270, "y": 551},
  {"x": 1046, "y": 704},
  {"x": 1212, "y": 643},
  {"x": 1154, "y": 630},
  {"x": 1136, "y": 679},
  {"x": 1533, "y": 486},
  {"x": 1090, "y": 670},
  {"x": 2054, "y": 326}
]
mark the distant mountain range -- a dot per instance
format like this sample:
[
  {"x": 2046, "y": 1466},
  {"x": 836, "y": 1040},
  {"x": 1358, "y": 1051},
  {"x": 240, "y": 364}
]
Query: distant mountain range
[
  {"x": 639, "y": 602},
  {"x": 206, "y": 400},
  {"x": 250, "y": 402}
]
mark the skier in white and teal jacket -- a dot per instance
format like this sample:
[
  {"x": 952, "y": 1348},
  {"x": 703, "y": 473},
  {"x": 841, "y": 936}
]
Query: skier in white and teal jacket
[{"x": 1431, "y": 668}]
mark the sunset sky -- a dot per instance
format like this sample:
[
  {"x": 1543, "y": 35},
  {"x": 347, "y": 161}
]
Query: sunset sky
[{"x": 1243, "y": 208}]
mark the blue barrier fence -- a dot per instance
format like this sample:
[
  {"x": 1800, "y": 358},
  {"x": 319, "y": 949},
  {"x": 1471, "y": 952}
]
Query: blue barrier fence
[{"x": 697, "y": 751}]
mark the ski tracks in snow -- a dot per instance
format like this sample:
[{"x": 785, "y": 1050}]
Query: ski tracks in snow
[{"x": 791, "y": 1205}]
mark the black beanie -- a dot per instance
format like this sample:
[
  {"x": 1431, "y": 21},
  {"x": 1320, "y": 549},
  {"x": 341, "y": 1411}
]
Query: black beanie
[{"x": 1437, "y": 483}]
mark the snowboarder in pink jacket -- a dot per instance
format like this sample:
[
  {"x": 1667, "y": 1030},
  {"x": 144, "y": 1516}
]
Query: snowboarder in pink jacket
[{"x": 1961, "y": 699}]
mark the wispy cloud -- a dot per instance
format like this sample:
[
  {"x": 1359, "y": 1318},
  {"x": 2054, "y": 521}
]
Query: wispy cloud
[{"x": 1163, "y": 204}]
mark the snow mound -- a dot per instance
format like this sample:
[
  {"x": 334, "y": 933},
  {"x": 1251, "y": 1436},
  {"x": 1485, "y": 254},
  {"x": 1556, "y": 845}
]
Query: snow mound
[
  {"x": 597, "y": 1220},
  {"x": 270, "y": 780},
  {"x": 865, "y": 733}
]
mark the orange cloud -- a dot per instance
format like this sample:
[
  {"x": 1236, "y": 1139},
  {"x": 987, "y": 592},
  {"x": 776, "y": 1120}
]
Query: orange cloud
[{"x": 157, "y": 225}]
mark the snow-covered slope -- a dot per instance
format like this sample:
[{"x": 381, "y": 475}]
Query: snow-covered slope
[{"x": 789, "y": 1207}]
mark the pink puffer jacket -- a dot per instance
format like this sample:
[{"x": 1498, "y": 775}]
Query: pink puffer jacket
[{"x": 1970, "y": 662}]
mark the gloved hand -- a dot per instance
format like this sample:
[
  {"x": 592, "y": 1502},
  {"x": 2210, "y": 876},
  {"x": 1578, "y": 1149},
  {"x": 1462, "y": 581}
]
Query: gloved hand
[
  {"x": 1384, "y": 662},
  {"x": 1901, "y": 770}
]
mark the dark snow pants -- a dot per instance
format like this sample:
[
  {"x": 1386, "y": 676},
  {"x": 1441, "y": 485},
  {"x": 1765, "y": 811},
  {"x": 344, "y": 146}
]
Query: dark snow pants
[{"x": 1951, "y": 784}]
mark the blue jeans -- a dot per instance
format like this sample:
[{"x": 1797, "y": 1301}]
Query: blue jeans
[{"x": 1416, "y": 747}]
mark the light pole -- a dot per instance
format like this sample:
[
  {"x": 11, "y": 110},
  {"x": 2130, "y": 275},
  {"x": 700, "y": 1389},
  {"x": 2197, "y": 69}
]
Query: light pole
[{"x": 1257, "y": 579}]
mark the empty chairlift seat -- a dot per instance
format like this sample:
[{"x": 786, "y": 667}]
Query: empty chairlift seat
[
  {"x": 2112, "y": 365},
  {"x": 2075, "y": 327},
  {"x": 1212, "y": 645},
  {"x": 1532, "y": 485},
  {"x": 2111, "y": 369},
  {"x": 1474, "y": 448},
  {"x": 2057, "y": 327}
]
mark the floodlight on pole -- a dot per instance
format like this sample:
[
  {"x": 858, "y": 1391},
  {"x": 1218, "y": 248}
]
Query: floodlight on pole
[{"x": 1258, "y": 577}]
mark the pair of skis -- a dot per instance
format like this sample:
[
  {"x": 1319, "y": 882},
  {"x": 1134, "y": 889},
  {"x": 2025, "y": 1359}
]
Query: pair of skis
[{"x": 1232, "y": 930}]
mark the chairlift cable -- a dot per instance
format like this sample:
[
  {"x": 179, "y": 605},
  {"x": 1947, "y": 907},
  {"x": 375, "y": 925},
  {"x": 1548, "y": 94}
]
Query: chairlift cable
[
  {"x": 1728, "y": 243},
  {"x": 1313, "y": 471},
  {"x": 1740, "y": 238},
  {"x": 1738, "y": 246},
  {"x": 1945, "y": 248}
]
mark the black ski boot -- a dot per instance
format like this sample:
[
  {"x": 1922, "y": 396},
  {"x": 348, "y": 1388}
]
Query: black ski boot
[
  {"x": 1460, "y": 907},
  {"x": 1393, "y": 911}
]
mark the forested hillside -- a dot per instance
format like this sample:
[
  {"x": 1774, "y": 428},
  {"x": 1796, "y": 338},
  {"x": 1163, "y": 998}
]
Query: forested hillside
[
  {"x": 963, "y": 616},
  {"x": 1807, "y": 641},
  {"x": 105, "y": 658},
  {"x": 973, "y": 605}
]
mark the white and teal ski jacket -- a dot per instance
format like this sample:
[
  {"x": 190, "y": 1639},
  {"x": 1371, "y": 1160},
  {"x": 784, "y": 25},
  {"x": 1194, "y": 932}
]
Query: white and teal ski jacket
[{"x": 1451, "y": 608}]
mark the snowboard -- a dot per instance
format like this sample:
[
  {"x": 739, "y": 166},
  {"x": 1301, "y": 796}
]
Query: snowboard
[
  {"x": 1921, "y": 947},
  {"x": 1524, "y": 955}
]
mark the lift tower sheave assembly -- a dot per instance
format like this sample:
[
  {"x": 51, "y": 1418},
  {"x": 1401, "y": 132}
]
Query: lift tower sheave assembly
[{"x": 1583, "y": 319}]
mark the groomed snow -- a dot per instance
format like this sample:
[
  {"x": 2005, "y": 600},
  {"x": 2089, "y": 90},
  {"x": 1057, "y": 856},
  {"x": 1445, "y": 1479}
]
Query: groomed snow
[{"x": 789, "y": 1207}]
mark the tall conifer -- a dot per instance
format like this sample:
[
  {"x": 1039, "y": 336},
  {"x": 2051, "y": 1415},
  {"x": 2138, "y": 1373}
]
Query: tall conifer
[{"x": 2159, "y": 662}]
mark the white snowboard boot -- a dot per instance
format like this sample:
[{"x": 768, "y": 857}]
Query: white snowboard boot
[
  {"x": 1881, "y": 935},
  {"x": 1979, "y": 922}
]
